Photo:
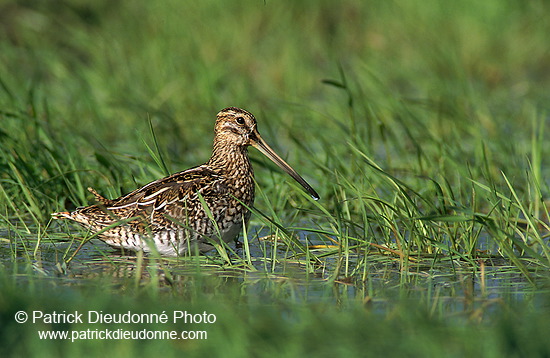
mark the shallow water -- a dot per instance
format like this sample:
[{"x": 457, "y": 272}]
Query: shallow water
[{"x": 275, "y": 273}]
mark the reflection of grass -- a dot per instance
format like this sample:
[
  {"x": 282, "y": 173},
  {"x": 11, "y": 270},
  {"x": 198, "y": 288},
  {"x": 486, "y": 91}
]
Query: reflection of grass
[
  {"x": 259, "y": 316},
  {"x": 420, "y": 124}
]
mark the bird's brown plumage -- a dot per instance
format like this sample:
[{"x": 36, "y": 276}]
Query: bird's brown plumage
[{"x": 189, "y": 209}]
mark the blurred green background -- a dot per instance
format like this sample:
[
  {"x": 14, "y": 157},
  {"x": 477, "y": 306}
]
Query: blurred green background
[
  {"x": 461, "y": 73},
  {"x": 422, "y": 125}
]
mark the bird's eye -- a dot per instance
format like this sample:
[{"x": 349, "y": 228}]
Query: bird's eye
[{"x": 240, "y": 120}]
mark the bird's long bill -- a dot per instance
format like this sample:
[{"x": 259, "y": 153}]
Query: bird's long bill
[{"x": 258, "y": 143}]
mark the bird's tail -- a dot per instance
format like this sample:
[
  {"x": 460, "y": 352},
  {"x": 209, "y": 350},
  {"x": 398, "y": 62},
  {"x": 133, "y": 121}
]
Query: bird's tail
[{"x": 62, "y": 215}]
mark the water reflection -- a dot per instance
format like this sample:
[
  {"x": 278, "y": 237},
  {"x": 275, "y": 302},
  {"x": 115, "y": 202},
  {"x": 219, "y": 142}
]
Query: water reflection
[{"x": 273, "y": 273}]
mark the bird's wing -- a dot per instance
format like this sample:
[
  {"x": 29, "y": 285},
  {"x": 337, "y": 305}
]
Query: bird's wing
[{"x": 174, "y": 197}]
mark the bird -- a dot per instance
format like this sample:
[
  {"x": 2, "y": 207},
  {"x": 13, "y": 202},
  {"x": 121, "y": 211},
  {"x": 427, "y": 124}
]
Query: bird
[{"x": 189, "y": 211}]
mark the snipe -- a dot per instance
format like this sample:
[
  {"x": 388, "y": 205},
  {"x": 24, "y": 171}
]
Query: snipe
[{"x": 187, "y": 210}]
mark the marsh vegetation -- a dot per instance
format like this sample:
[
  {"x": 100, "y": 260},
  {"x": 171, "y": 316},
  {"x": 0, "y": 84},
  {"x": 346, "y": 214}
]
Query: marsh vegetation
[{"x": 422, "y": 125}]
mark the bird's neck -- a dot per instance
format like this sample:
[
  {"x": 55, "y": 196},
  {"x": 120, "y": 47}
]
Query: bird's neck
[{"x": 229, "y": 158}]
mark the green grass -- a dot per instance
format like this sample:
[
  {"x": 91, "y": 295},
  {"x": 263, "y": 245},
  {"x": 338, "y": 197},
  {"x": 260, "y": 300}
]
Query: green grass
[{"x": 422, "y": 126}]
